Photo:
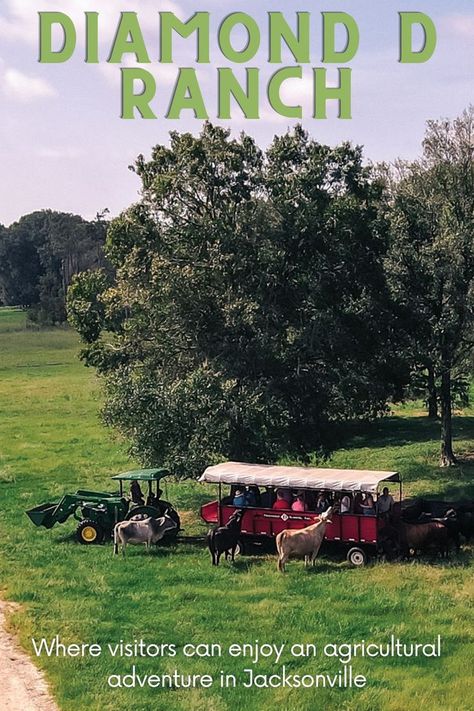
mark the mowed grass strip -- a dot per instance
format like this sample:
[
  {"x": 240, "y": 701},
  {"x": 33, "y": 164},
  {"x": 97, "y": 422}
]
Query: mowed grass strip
[
  {"x": 52, "y": 442},
  {"x": 12, "y": 319}
]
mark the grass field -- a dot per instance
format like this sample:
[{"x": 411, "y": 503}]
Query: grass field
[{"x": 52, "y": 441}]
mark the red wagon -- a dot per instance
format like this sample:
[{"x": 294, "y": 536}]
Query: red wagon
[{"x": 355, "y": 532}]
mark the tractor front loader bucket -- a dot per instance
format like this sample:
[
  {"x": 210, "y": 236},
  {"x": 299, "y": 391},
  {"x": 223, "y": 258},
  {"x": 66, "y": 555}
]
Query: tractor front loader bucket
[
  {"x": 48, "y": 514},
  {"x": 43, "y": 515}
]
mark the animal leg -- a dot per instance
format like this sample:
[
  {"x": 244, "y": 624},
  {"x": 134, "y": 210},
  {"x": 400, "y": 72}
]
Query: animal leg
[
  {"x": 314, "y": 555},
  {"x": 218, "y": 556}
]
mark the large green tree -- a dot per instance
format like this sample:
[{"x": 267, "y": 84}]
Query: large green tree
[
  {"x": 431, "y": 260},
  {"x": 248, "y": 308}
]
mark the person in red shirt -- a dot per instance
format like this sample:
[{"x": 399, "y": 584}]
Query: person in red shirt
[{"x": 281, "y": 503}]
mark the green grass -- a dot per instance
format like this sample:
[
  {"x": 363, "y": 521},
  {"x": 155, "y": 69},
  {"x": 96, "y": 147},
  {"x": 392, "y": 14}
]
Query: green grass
[
  {"x": 52, "y": 442},
  {"x": 12, "y": 319}
]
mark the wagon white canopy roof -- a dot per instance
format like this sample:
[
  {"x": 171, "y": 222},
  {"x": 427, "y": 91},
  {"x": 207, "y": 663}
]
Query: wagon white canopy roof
[{"x": 296, "y": 477}]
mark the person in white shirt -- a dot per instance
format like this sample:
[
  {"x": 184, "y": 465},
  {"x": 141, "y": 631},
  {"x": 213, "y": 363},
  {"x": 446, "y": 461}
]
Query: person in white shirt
[
  {"x": 384, "y": 502},
  {"x": 345, "y": 504}
]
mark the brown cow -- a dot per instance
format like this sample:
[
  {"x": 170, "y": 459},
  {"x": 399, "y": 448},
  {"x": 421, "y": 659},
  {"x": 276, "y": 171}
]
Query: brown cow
[
  {"x": 418, "y": 537},
  {"x": 425, "y": 536},
  {"x": 306, "y": 541}
]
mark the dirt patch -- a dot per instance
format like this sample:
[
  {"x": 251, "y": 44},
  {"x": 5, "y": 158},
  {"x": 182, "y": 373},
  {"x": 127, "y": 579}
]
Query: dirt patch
[{"x": 23, "y": 685}]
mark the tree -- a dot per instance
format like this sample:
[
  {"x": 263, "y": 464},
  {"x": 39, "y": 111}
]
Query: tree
[
  {"x": 431, "y": 260},
  {"x": 248, "y": 309},
  {"x": 40, "y": 253},
  {"x": 20, "y": 263}
]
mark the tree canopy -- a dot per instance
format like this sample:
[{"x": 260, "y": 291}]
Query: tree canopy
[{"x": 248, "y": 308}]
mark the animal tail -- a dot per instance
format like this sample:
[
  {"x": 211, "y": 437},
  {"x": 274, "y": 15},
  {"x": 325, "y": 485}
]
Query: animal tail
[{"x": 115, "y": 541}]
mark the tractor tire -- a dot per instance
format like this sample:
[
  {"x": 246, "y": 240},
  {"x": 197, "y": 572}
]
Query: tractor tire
[
  {"x": 357, "y": 557},
  {"x": 143, "y": 512},
  {"x": 89, "y": 532}
]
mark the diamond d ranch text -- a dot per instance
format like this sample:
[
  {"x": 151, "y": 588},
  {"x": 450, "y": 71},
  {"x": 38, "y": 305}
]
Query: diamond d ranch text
[{"x": 139, "y": 88}]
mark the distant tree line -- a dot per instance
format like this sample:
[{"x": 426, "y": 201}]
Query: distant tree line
[
  {"x": 40, "y": 254},
  {"x": 253, "y": 300}
]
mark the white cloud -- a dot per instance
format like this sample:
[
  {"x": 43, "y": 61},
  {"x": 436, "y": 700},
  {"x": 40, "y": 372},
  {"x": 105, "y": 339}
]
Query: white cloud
[
  {"x": 60, "y": 153},
  {"x": 165, "y": 74},
  {"x": 25, "y": 88},
  {"x": 460, "y": 25},
  {"x": 20, "y": 21},
  {"x": 297, "y": 91}
]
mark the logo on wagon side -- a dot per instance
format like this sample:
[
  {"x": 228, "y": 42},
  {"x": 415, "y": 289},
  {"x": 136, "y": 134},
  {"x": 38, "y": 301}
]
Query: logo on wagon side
[{"x": 284, "y": 517}]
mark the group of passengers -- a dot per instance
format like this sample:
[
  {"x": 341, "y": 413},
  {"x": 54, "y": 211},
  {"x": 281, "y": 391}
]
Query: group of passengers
[{"x": 361, "y": 503}]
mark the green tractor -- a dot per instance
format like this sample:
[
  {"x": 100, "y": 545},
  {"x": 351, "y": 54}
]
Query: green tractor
[{"x": 98, "y": 511}]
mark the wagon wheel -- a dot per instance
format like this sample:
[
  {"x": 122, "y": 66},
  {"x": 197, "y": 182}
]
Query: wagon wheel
[
  {"x": 357, "y": 557},
  {"x": 89, "y": 532}
]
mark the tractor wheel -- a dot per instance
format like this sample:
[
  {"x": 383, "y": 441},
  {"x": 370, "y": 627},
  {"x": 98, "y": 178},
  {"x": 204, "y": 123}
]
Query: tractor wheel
[
  {"x": 143, "y": 512},
  {"x": 357, "y": 557},
  {"x": 89, "y": 532}
]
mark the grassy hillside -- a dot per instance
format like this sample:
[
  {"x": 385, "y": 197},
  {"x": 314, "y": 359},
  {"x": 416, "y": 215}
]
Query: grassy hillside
[{"x": 52, "y": 441}]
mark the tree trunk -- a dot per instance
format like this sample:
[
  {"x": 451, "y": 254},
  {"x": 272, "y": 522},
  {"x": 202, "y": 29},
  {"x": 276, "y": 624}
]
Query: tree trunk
[
  {"x": 447, "y": 454},
  {"x": 432, "y": 395}
]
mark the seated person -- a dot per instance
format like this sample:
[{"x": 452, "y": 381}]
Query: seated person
[
  {"x": 152, "y": 500},
  {"x": 250, "y": 496},
  {"x": 368, "y": 506},
  {"x": 136, "y": 493},
  {"x": 345, "y": 505},
  {"x": 253, "y": 495},
  {"x": 267, "y": 499},
  {"x": 299, "y": 504},
  {"x": 239, "y": 498},
  {"x": 229, "y": 500},
  {"x": 385, "y": 502},
  {"x": 322, "y": 504},
  {"x": 281, "y": 502},
  {"x": 357, "y": 503}
]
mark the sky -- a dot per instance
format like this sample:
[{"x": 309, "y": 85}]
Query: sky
[{"x": 64, "y": 146}]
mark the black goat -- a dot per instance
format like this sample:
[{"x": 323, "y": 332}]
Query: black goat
[{"x": 224, "y": 539}]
